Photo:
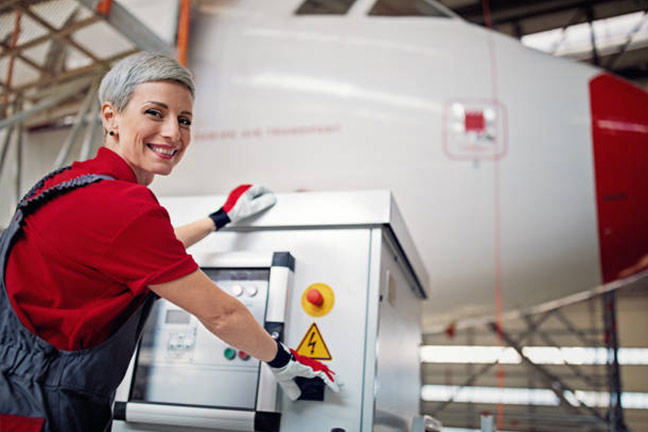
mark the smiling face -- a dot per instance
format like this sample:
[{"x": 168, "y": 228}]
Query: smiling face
[{"x": 152, "y": 133}]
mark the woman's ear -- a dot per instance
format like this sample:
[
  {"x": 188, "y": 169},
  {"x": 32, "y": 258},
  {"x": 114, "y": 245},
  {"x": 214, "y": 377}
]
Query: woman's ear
[{"x": 109, "y": 117}]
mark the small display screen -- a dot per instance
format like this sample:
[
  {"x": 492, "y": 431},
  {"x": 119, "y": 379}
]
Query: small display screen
[
  {"x": 220, "y": 274},
  {"x": 177, "y": 317}
]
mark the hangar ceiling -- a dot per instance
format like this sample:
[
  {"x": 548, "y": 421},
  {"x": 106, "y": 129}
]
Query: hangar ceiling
[
  {"x": 44, "y": 45},
  {"x": 519, "y": 18},
  {"x": 51, "y": 48}
]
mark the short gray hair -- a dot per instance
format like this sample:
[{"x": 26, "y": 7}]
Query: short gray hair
[{"x": 118, "y": 84}]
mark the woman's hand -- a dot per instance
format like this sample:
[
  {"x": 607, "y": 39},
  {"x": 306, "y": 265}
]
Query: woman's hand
[
  {"x": 288, "y": 365},
  {"x": 232, "y": 322},
  {"x": 243, "y": 202}
]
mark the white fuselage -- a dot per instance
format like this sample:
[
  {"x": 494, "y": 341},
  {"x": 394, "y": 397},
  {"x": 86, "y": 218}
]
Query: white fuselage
[{"x": 364, "y": 102}]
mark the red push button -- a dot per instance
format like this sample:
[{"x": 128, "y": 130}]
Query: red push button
[
  {"x": 244, "y": 356},
  {"x": 315, "y": 297}
]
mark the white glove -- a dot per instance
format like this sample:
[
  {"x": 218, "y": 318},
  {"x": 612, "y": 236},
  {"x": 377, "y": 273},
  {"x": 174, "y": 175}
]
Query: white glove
[
  {"x": 242, "y": 202},
  {"x": 299, "y": 366}
]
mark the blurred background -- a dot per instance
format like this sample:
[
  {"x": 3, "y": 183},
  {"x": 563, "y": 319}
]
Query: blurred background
[{"x": 556, "y": 367}]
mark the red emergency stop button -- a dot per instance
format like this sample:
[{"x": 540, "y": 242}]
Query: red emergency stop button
[{"x": 315, "y": 297}]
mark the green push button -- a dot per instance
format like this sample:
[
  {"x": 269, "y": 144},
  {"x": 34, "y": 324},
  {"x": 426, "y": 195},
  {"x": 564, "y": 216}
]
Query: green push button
[{"x": 230, "y": 353}]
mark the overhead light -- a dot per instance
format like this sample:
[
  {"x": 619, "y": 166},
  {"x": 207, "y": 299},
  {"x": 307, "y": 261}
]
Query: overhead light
[
  {"x": 469, "y": 354},
  {"x": 527, "y": 396}
]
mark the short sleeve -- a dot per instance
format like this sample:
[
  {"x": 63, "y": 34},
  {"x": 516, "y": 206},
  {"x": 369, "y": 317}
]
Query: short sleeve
[{"x": 147, "y": 252}]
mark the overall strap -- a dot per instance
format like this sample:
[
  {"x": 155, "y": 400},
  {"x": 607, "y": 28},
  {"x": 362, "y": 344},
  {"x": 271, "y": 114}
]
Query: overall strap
[
  {"x": 42, "y": 181},
  {"x": 31, "y": 203}
]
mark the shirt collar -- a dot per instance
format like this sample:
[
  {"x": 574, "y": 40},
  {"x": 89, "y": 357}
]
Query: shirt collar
[{"x": 110, "y": 163}]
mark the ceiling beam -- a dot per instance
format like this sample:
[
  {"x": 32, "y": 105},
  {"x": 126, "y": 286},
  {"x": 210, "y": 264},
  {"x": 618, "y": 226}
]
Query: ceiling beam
[
  {"x": 75, "y": 73},
  {"x": 27, "y": 60},
  {"x": 555, "y": 384},
  {"x": 63, "y": 38},
  {"x": 506, "y": 11},
  {"x": 46, "y": 103},
  {"x": 64, "y": 32},
  {"x": 131, "y": 28},
  {"x": 7, "y": 5},
  {"x": 624, "y": 48}
]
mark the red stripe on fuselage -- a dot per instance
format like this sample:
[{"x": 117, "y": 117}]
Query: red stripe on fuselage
[{"x": 620, "y": 145}]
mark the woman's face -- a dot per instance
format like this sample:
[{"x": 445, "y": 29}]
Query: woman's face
[{"x": 154, "y": 130}]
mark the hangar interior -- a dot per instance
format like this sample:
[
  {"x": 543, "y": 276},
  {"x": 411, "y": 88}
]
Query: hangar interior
[{"x": 556, "y": 367}]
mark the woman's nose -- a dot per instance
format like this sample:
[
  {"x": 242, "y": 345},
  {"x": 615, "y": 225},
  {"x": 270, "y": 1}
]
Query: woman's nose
[{"x": 171, "y": 130}]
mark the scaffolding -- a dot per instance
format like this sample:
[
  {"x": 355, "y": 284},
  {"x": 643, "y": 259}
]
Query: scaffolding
[
  {"x": 48, "y": 42},
  {"x": 550, "y": 327},
  {"x": 53, "y": 55}
]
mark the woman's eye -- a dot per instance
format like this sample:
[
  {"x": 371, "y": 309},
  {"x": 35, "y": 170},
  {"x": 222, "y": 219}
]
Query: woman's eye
[
  {"x": 184, "y": 122},
  {"x": 154, "y": 113}
]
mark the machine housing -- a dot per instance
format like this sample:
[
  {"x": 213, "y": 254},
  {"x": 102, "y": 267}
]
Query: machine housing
[{"x": 356, "y": 248}]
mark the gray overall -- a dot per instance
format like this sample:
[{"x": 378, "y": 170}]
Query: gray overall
[{"x": 72, "y": 391}]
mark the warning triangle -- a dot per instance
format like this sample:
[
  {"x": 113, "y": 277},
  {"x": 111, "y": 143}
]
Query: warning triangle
[{"x": 313, "y": 345}]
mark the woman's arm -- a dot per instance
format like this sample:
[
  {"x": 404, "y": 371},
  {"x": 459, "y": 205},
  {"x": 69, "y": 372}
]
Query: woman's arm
[
  {"x": 230, "y": 320},
  {"x": 220, "y": 313},
  {"x": 194, "y": 232}
]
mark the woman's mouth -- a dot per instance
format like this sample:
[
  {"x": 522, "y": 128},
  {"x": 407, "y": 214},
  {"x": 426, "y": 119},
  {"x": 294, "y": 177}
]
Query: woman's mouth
[{"x": 164, "y": 152}]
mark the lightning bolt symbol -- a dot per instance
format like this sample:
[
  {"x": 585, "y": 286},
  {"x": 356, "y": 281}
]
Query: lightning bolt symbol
[{"x": 312, "y": 343}]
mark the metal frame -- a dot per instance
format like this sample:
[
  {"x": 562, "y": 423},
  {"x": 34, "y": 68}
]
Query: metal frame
[
  {"x": 129, "y": 26},
  {"x": 484, "y": 369},
  {"x": 637, "y": 279},
  {"x": 521, "y": 17},
  {"x": 623, "y": 48},
  {"x": 575, "y": 410},
  {"x": 554, "y": 383},
  {"x": 507, "y": 11},
  {"x": 76, "y": 127},
  {"x": 13, "y": 135},
  {"x": 117, "y": 17},
  {"x": 77, "y": 85},
  {"x": 615, "y": 409}
]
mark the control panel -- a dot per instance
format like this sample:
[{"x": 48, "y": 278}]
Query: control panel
[
  {"x": 184, "y": 376},
  {"x": 177, "y": 348}
]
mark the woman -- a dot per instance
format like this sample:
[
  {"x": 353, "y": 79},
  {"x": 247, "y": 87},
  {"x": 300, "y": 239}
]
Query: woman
[{"x": 90, "y": 248}]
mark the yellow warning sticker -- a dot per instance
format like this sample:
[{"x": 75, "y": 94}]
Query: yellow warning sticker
[{"x": 313, "y": 345}]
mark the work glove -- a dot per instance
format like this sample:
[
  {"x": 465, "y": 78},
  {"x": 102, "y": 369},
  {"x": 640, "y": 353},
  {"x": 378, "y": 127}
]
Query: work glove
[
  {"x": 288, "y": 365},
  {"x": 242, "y": 202}
]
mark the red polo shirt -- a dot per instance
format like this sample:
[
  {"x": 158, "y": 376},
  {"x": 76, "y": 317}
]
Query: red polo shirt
[{"x": 85, "y": 259}]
